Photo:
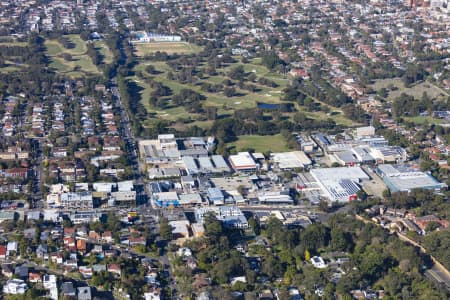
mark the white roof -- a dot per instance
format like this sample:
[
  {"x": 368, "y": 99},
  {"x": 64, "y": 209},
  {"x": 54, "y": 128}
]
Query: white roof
[
  {"x": 192, "y": 198},
  {"x": 180, "y": 227},
  {"x": 242, "y": 160},
  {"x": 125, "y": 186},
  {"x": 103, "y": 186},
  {"x": 166, "y": 136},
  {"x": 166, "y": 196},
  {"x": 339, "y": 184},
  {"x": 289, "y": 160},
  {"x": 355, "y": 173}
]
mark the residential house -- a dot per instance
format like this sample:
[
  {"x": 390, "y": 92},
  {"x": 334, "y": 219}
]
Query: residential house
[
  {"x": 2, "y": 252},
  {"x": 84, "y": 293},
  {"x": 68, "y": 290},
  {"x": 21, "y": 272},
  {"x": 114, "y": 268},
  {"x": 34, "y": 277},
  {"x": 15, "y": 286},
  {"x": 7, "y": 270}
]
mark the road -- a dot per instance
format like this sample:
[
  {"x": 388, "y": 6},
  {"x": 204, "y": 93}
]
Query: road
[
  {"x": 438, "y": 277},
  {"x": 130, "y": 142},
  {"x": 37, "y": 195},
  {"x": 433, "y": 273}
]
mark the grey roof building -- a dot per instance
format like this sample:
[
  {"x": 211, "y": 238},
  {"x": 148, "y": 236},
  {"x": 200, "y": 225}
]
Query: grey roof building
[{"x": 84, "y": 293}]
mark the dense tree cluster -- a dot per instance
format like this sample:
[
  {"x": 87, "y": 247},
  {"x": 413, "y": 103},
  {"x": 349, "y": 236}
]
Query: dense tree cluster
[{"x": 377, "y": 260}]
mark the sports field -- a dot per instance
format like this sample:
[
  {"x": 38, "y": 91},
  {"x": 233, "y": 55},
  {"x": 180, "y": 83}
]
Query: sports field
[{"x": 264, "y": 143}]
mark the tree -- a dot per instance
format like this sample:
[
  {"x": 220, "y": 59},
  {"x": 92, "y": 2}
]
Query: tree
[
  {"x": 432, "y": 226},
  {"x": 271, "y": 60},
  {"x": 323, "y": 205},
  {"x": 213, "y": 227},
  {"x": 362, "y": 195},
  {"x": 165, "y": 230},
  {"x": 253, "y": 223},
  {"x": 211, "y": 112},
  {"x": 229, "y": 91},
  {"x": 237, "y": 73},
  {"x": 307, "y": 255}
]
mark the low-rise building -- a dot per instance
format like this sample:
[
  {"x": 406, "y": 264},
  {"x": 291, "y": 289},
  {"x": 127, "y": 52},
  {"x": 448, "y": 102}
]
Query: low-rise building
[
  {"x": 15, "y": 286},
  {"x": 77, "y": 200}
]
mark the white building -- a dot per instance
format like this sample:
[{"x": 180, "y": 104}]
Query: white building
[
  {"x": 291, "y": 160},
  {"x": 318, "y": 262},
  {"x": 339, "y": 184},
  {"x": 15, "y": 286},
  {"x": 77, "y": 200},
  {"x": 230, "y": 216},
  {"x": 365, "y": 131},
  {"x": 243, "y": 161}
]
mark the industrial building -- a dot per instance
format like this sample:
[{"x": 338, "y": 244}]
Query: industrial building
[
  {"x": 275, "y": 198},
  {"x": 215, "y": 196},
  {"x": 291, "y": 160},
  {"x": 243, "y": 162},
  {"x": 339, "y": 184},
  {"x": 230, "y": 216},
  {"x": 404, "y": 179},
  {"x": 165, "y": 199}
]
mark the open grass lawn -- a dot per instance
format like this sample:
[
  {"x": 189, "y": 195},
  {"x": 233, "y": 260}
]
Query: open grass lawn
[
  {"x": 80, "y": 64},
  {"x": 274, "y": 143},
  {"x": 226, "y": 105},
  {"x": 420, "y": 120},
  {"x": 104, "y": 51},
  {"x": 416, "y": 90},
  {"x": 13, "y": 43},
  {"x": 143, "y": 49},
  {"x": 10, "y": 69}
]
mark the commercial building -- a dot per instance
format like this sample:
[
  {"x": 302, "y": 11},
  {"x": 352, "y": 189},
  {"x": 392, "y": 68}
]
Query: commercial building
[
  {"x": 215, "y": 196},
  {"x": 403, "y": 179},
  {"x": 339, "y": 184},
  {"x": 76, "y": 200},
  {"x": 291, "y": 160},
  {"x": 366, "y": 131},
  {"x": 191, "y": 199},
  {"x": 243, "y": 162},
  {"x": 275, "y": 198},
  {"x": 165, "y": 199},
  {"x": 389, "y": 154},
  {"x": 84, "y": 217},
  {"x": 230, "y": 216},
  {"x": 220, "y": 164},
  {"x": 123, "y": 198}
]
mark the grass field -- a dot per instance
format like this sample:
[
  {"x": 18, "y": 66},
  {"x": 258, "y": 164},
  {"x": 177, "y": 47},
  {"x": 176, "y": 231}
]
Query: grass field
[
  {"x": 226, "y": 105},
  {"x": 80, "y": 64},
  {"x": 143, "y": 49},
  {"x": 416, "y": 91},
  {"x": 104, "y": 51},
  {"x": 13, "y": 43},
  {"x": 421, "y": 120},
  {"x": 274, "y": 143}
]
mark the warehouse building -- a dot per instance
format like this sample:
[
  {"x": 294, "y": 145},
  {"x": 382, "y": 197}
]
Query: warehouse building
[
  {"x": 243, "y": 162},
  {"x": 165, "y": 199},
  {"x": 403, "y": 179},
  {"x": 339, "y": 184},
  {"x": 291, "y": 160}
]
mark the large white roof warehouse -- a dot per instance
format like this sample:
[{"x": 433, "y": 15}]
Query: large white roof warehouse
[
  {"x": 243, "y": 161},
  {"x": 339, "y": 184},
  {"x": 291, "y": 160}
]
